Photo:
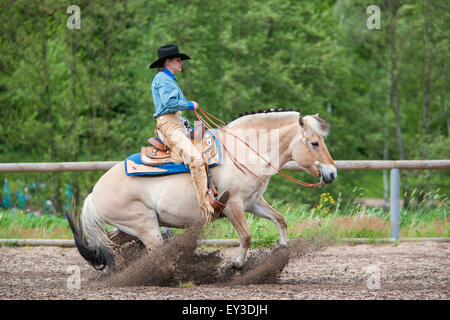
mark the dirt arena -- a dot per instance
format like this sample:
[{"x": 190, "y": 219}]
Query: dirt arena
[{"x": 306, "y": 271}]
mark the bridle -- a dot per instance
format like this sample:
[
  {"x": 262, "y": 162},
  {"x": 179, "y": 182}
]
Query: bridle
[{"x": 241, "y": 166}]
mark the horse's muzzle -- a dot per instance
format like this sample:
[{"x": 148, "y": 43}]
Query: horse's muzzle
[{"x": 328, "y": 173}]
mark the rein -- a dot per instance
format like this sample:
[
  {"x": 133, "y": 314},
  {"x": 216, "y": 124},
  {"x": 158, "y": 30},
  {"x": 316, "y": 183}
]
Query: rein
[{"x": 208, "y": 116}]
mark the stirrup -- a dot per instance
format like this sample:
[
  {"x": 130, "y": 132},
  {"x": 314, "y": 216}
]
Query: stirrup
[{"x": 220, "y": 202}]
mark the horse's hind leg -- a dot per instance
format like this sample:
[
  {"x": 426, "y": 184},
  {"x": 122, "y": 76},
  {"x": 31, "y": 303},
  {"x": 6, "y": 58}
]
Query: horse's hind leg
[
  {"x": 262, "y": 209},
  {"x": 119, "y": 237},
  {"x": 149, "y": 232},
  {"x": 140, "y": 222},
  {"x": 235, "y": 213}
]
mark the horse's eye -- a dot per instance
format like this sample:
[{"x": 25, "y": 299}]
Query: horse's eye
[{"x": 315, "y": 144}]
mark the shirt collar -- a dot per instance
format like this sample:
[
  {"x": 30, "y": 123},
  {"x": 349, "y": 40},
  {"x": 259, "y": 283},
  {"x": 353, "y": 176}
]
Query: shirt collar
[{"x": 166, "y": 71}]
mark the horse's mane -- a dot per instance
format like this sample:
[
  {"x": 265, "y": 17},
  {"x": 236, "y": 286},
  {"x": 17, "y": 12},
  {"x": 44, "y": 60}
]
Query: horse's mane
[
  {"x": 243, "y": 114},
  {"x": 315, "y": 123},
  {"x": 260, "y": 114}
]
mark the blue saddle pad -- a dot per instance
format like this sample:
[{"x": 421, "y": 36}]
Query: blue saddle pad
[{"x": 138, "y": 168}]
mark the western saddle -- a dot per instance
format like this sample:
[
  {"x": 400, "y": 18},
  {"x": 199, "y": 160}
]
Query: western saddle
[{"x": 158, "y": 153}]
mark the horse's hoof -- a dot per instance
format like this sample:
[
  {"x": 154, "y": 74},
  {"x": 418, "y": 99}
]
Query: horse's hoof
[
  {"x": 237, "y": 265},
  {"x": 281, "y": 246},
  {"x": 228, "y": 267},
  {"x": 166, "y": 234},
  {"x": 231, "y": 266}
]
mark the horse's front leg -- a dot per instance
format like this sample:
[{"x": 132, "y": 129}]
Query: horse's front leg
[
  {"x": 235, "y": 213},
  {"x": 262, "y": 209}
]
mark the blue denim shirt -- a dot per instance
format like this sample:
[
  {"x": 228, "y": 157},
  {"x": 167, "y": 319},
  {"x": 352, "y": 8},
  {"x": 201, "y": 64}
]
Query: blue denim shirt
[{"x": 167, "y": 95}]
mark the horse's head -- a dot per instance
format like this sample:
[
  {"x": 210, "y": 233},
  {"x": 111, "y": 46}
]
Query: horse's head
[{"x": 310, "y": 151}]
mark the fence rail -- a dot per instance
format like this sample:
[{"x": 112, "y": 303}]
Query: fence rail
[
  {"x": 340, "y": 165},
  {"x": 57, "y": 166}
]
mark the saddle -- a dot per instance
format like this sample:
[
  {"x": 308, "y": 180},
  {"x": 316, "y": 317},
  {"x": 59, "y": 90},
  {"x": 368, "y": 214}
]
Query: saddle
[{"x": 158, "y": 153}]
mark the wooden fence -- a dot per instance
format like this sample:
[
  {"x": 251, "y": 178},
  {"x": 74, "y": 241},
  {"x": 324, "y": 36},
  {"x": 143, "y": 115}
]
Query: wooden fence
[{"x": 340, "y": 165}]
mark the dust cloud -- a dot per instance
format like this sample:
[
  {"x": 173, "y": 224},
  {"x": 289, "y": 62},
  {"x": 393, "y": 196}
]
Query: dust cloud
[{"x": 180, "y": 261}]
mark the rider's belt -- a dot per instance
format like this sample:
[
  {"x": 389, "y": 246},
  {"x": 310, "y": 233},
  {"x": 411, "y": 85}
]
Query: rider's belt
[{"x": 162, "y": 115}]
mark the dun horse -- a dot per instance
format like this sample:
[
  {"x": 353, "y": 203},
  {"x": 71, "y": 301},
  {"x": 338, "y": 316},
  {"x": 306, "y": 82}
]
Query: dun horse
[{"x": 138, "y": 206}]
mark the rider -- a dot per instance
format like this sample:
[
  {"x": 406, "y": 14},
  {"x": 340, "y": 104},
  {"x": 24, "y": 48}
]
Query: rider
[{"x": 172, "y": 127}]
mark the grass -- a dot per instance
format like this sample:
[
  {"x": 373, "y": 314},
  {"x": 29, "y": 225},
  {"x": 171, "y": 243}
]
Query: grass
[
  {"x": 361, "y": 222},
  {"x": 18, "y": 224},
  {"x": 330, "y": 219},
  {"x": 189, "y": 284}
]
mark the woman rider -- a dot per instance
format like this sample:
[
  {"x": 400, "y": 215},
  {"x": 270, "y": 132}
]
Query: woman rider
[{"x": 170, "y": 125}]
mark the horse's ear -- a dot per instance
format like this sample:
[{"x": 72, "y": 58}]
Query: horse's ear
[{"x": 300, "y": 120}]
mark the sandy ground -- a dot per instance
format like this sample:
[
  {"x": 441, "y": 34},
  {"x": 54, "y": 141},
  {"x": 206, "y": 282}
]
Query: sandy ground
[{"x": 388, "y": 271}]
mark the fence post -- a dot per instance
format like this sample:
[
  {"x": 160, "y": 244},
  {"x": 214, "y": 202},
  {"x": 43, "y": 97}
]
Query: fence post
[{"x": 395, "y": 203}]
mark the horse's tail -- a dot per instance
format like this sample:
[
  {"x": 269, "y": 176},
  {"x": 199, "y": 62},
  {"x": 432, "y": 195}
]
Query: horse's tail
[{"x": 97, "y": 248}]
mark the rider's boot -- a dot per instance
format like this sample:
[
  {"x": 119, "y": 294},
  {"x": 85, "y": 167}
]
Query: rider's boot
[{"x": 220, "y": 202}]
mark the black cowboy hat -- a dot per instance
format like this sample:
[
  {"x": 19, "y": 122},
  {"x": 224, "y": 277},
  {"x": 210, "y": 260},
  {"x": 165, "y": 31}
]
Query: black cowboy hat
[{"x": 167, "y": 52}]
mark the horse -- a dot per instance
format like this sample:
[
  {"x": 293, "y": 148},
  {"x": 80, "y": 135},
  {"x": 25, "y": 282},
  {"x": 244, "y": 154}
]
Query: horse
[{"x": 137, "y": 206}]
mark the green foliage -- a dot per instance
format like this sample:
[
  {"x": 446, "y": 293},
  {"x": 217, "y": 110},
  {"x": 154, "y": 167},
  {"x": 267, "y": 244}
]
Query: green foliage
[
  {"x": 21, "y": 224},
  {"x": 18, "y": 217}
]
